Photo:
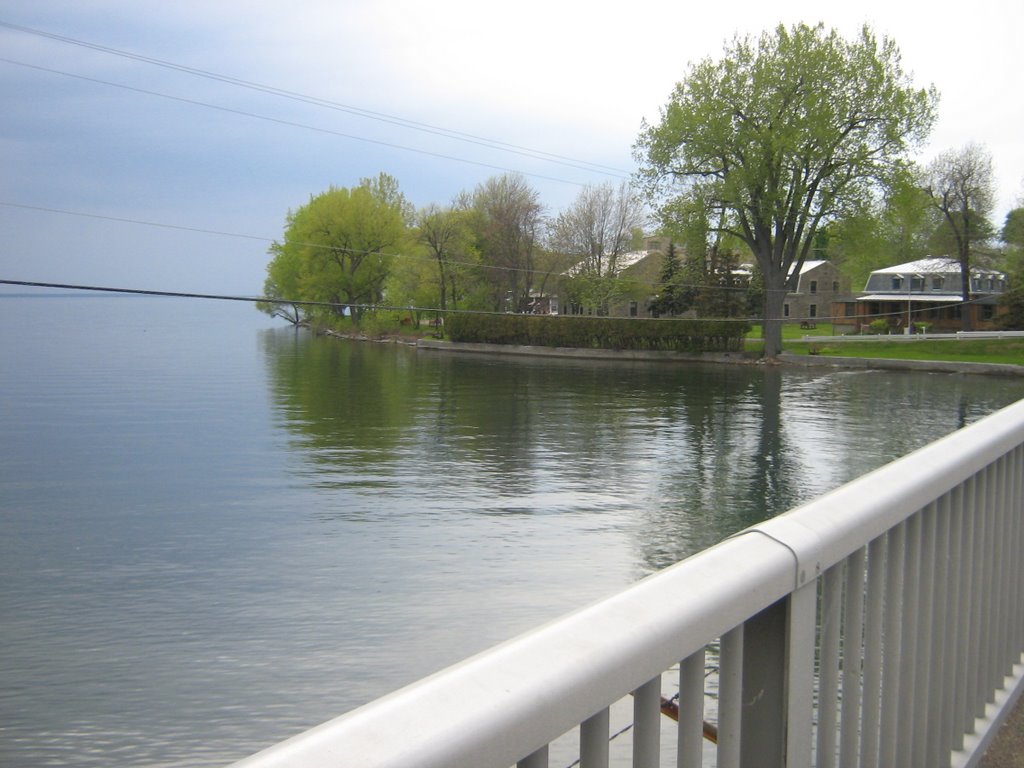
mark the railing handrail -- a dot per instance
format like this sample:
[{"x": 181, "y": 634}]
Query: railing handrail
[{"x": 505, "y": 703}]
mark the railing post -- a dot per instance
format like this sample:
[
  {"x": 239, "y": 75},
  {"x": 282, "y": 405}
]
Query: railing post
[
  {"x": 763, "y": 718},
  {"x": 778, "y": 673}
]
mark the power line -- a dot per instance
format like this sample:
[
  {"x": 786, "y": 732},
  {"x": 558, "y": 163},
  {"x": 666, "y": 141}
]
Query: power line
[
  {"x": 142, "y": 222},
  {"x": 289, "y": 123},
  {"x": 316, "y": 101},
  {"x": 832, "y": 319}
]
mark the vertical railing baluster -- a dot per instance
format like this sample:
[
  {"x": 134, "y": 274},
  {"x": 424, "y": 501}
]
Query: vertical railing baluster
[
  {"x": 928, "y": 682},
  {"x": 941, "y": 708},
  {"x": 538, "y": 759},
  {"x": 969, "y": 610},
  {"x": 853, "y": 625},
  {"x": 594, "y": 740},
  {"x": 872, "y": 698},
  {"x": 922, "y": 677},
  {"x": 1004, "y": 609},
  {"x": 730, "y": 698},
  {"x": 1017, "y": 516},
  {"x": 992, "y": 679},
  {"x": 908, "y": 660},
  {"x": 647, "y": 724},
  {"x": 799, "y": 687},
  {"x": 690, "y": 751},
  {"x": 984, "y": 595},
  {"x": 828, "y": 665},
  {"x": 957, "y": 639},
  {"x": 891, "y": 726}
]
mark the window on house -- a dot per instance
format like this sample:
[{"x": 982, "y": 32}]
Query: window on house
[
  {"x": 812, "y": 310},
  {"x": 633, "y": 309},
  {"x": 814, "y": 286},
  {"x": 897, "y": 283},
  {"x": 835, "y": 286},
  {"x": 937, "y": 283},
  {"x": 988, "y": 311},
  {"x": 851, "y": 309},
  {"x": 917, "y": 283},
  {"x": 785, "y": 310}
]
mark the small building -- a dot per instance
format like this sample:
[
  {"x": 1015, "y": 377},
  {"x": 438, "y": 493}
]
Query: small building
[
  {"x": 925, "y": 294},
  {"x": 820, "y": 285}
]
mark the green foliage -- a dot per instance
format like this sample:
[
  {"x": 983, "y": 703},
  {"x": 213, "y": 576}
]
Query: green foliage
[
  {"x": 1013, "y": 299},
  {"x": 338, "y": 248},
  {"x": 507, "y": 222},
  {"x": 675, "y": 293},
  {"x": 677, "y": 335},
  {"x": 446, "y": 234},
  {"x": 780, "y": 136},
  {"x": 896, "y": 230},
  {"x": 1013, "y": 229}
]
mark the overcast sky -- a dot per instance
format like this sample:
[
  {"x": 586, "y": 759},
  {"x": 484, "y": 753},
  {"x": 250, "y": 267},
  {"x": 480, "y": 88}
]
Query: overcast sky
[{"x": 93, "y": 139}]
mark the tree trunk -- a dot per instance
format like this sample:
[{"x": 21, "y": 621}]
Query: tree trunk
[
  {"x": 774, "y": 301},
  {"x": 965, "y": 290}
]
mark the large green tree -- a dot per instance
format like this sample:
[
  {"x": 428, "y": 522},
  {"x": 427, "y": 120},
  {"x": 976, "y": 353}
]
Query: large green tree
[
  {"x": 779, "y": 136},
  {"x": 337, "y": 249}
]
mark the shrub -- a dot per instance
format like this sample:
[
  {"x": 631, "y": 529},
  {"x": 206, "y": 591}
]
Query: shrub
[{"x": 670, "y": 334}]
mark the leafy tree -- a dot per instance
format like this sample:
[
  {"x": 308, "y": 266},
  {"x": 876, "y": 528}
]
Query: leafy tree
[
  {"x": 337, "y": 249},
  {"x": 893, "y": 230},
  {"x": 447, "y": 235},
  {"x": 1013, "y": 230},
  {"x": 781, "y": 136},
  {"x": 412, "y": 283},
  {"x": 508, "y": 219},
  {"x": 961, "y": 187},
  {"x": 1013, "y": 299}
]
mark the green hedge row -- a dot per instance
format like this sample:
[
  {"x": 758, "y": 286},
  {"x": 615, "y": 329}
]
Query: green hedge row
[{"x": 673, "y": 334}]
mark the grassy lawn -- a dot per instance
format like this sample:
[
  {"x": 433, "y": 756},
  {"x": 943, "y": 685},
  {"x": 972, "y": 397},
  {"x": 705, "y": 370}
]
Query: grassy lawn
[{"x": 1010, "y": 351}]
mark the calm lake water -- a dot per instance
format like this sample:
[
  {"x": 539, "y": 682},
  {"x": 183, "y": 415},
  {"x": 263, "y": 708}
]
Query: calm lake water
[{"x": 216, "y": 532}]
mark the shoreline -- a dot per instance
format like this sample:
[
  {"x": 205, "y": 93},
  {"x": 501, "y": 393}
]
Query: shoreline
[{"x": 735, "y": 358}]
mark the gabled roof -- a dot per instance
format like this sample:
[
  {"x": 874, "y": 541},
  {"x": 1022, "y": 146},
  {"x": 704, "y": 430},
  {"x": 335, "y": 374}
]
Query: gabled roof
[
  {"x": 623, "y": 261},
  {"x": 809, "y": 265}
]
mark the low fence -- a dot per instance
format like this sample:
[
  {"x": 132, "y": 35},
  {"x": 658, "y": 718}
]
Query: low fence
[
  {"x": 880, "y": 625},
  {"x": 959, "y": 335}
]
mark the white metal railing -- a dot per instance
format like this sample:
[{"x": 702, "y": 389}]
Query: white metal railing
[{"x": 880, "y": 625}]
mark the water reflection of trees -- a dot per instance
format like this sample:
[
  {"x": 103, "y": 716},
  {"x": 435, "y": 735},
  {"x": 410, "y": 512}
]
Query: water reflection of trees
[{"x": 680, "y": 456}]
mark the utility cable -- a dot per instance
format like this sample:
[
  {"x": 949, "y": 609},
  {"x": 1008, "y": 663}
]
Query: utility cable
[
  {"x": 288, "y": 123},
  {"x": 316, "y": 101}
]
